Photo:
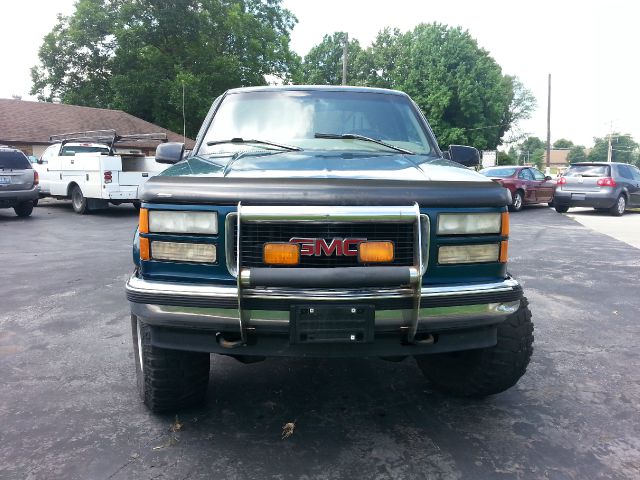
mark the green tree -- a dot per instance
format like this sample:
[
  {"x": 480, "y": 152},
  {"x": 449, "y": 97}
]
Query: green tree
[
  {"x": 624, "y": 149},
  {"x": 137, "y": 55},
  {"x": 537, "y": 158},
  {"x": 562, "y": 143},
  {"x": 323, "y": 64},
  {"x": 527, "y": 148},
  {"x": 385, "y": 56},
  {"x": 576, "y": 154},
  {"x": 458, "y": 86},
  {"x": 506, "y": 159}
]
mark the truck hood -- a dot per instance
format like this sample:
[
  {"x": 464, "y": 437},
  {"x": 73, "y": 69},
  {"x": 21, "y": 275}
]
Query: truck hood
[
  {"x": 325, "y": 164},
  {"x": 323, "y": 178}
]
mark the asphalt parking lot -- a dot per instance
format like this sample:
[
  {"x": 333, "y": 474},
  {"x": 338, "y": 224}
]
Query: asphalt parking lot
[{"x": 69, "y": 407}]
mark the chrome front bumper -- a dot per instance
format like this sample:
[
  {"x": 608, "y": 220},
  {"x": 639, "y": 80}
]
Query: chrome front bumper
[{"x": 442, "y": 308}]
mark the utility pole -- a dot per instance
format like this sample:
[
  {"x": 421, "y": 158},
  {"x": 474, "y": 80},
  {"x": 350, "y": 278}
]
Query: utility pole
[
  {"x": 549, "y": 125},
  {"x": 610, "y": 149},
  {"x": 184, "y": 119},
  {"x": 345, "y": 56}
]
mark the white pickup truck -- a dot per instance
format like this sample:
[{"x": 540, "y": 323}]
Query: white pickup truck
[{"x": 92, "y": 172}]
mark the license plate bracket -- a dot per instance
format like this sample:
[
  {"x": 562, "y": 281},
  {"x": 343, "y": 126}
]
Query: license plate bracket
[{"x": 332, "y": 323}]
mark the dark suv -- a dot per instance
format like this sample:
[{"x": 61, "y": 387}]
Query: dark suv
[
  {"x": 611, "y": 187},
  {"x": 18, "y": 182}
]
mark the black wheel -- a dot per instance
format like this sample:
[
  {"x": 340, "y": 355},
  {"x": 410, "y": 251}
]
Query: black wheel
[
  {"x": 167, "y": 379},
  {"x": 518, "y": 199},
  {"x": 79, "y": 202},
  {"x": 551, "y": 204},
  {"x": 486, "y": 371},
  {"x": 24, "y": 209},
  {"x": 137, "y": 204},
  {"x": 619, "y": 207},
  {"x": 35, "y": 202},
  {"x": 562, "y": 208}
]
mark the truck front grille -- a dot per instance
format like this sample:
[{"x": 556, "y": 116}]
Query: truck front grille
[{"x": 256, "y": 234}]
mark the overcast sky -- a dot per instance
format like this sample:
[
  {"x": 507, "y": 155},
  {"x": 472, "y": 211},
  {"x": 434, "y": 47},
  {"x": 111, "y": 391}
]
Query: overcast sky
[{"x": 590, "y": 48}]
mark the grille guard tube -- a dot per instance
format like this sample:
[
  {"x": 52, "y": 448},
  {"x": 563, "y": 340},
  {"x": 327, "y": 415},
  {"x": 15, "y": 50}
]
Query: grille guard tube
[{"x": 347, "y": 277}]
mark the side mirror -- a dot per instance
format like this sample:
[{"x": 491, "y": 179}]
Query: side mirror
[
  {"x": 467, "y": 156},
  {"x": 547, "y": 178},
  {"x": 171, "y": 152}
]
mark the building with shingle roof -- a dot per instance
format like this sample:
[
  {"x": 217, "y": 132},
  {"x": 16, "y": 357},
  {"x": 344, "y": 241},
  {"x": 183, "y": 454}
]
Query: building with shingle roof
[{"x": 28, "y": 125}]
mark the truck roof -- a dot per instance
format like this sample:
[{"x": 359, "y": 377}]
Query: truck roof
[{"x": 325, "y": 88}]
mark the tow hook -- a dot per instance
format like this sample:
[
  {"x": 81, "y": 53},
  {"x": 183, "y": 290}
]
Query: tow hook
[
  {"x": 427, "y": 339},
  {"x": 224, "y": 343}
]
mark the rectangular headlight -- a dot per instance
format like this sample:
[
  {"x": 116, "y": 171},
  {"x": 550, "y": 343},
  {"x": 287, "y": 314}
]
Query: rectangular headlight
[
  {"x": 183, "y": 252},
  {"x": 468, "y": 223},
  {"x": 176, "y": 221},
  {"x": 468, "y": 253}
]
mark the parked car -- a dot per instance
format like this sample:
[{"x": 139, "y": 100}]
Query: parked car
[
  {"x": 610, "y": 187},
  {"x": 323, "y": 222},
  {"x": 18, "y": 182},
  {"x": 527, "y": 185}
]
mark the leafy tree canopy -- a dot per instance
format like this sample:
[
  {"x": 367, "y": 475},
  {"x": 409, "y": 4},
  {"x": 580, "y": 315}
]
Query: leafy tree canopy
[
  {"x": 527, "y": 148},
  {"x": 323, "y": 64},
  {"x": 137, "y": 55},
  {"x": 537, "y": 158},
  {"x": 562, "y": 143},
  {"x": 458, "y": 85},
  {"x": 576, "y": 154},
  {"x": 506, "y": 159},
  {"x": 624, "y": 149}
]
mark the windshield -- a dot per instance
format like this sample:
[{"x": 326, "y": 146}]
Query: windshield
[
  {"x": 588, "y": 171},
  {"x": 296, "y": 117},
  {"x": 11, "y": 160},
  {"x": 71, "y": 150},
  {"x": 498, "y": 172}
]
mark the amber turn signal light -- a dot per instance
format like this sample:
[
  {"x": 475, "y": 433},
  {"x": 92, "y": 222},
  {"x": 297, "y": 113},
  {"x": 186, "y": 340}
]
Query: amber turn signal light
[
  {"x": 504, "y": 251},
  {"x": 145, "y": 249},
  {"x": 143, "y": 223},
  {"x": 281, "y": 254},
  {"x": 504, "y": 230},
  {"x": 375, "y": 252},
  {"x": 143, "y": 227}
]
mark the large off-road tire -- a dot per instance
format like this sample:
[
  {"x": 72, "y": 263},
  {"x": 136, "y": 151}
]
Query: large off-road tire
[
  {"x": 485, "y": 371},
  {"x": 518, "y": 201},
  {"x": 562, "y": 208},
  {"x": 79, "y": 202},
  {"x": 167, "y": 380},
  {"x": 619, "y": 207},
  {"x": 23, "y": 209}
]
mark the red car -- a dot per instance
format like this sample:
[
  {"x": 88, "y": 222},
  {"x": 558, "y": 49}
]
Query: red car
[{"x": 527, "y": 185}]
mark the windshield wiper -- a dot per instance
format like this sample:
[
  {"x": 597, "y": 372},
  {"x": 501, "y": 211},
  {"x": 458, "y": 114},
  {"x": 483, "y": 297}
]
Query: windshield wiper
[
  {"x": 260, "y": 142},
  {"x": 355, "y": 136}
]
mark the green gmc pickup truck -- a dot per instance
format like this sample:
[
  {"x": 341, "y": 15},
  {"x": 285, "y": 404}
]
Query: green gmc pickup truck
[{"x": 323, "y": 222}]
